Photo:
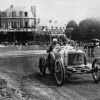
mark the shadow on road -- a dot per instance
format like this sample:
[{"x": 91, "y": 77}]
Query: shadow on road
[
  {"x": 47, "y": 80},
  {"x": 50, "y": 81}
]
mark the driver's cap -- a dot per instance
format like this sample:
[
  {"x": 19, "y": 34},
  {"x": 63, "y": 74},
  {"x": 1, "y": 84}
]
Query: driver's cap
[{"x": 55, "y": 39}]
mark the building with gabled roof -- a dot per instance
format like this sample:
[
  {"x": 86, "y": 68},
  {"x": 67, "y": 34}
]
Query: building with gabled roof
[
  {"x": 19, "y": 23},
  {"x": 18, "y": 17}
]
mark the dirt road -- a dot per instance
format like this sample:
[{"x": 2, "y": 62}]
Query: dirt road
[{"x": 22, "y": 74}]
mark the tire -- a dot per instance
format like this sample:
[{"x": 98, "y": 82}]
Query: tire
[
  {"x": 85, "y": 61},
  {"x": 96, "y": 72},
  {"x": 59, "y": 72},
  {"x": 42, "y": 66},
  {"x": 51, "y": 63}
]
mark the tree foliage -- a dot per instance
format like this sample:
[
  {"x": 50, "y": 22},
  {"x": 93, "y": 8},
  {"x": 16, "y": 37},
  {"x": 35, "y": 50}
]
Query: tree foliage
[
  {"x": 86, "y": 30},
  {"x": 74, "y": 30},
  {"x": 72, "y": 24},
  {"x": 89, "y": 28}
]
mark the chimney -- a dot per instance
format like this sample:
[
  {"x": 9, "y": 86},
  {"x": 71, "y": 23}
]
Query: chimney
[
  {"x": 11, "y": 6},
  {"x": 33, "y": 9}
]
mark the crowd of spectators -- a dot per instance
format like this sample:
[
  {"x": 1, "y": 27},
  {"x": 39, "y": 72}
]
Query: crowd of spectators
[
  {"x": 91, "y": 45},
  {"x": 46, "y": 43},
  {"x": 24, "y": 43}
]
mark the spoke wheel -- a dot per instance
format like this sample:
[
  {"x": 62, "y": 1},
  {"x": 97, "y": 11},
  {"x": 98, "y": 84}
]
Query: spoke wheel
[
  {"x": 42, "y": 66},
  {"x": 96, "y": 73},
  {"x": 51, "y": 64},
  {"x": 59, "y": 72}
]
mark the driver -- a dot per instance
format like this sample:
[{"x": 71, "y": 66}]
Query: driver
[{"x": 52, "y": 45}]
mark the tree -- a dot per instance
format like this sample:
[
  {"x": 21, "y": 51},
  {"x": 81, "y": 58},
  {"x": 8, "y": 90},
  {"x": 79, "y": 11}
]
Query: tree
[
  {"x": 89, "y": 28},
  {"x": 72, "y": 26}
]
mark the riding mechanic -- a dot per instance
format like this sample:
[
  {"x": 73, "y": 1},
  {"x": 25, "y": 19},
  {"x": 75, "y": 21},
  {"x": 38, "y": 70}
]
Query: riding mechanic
[{"x": 52, "y": 45}]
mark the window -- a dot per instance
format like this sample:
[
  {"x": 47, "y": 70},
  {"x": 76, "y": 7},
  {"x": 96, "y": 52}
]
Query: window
[
  {"x": 51, "y": 27},
  {"x": 4, "y": 25},
  {"x": 9, "y": 24},
  {"x": 18, "y": 24},
  {"x": 12, "y": 24},
  {"x": 3, "y": 14},
  {"x": 56, "y": 27},
  {"x": 21, "y": 13},
  {"x": 26, "y": 24},
  {"x": 50, "y": 21},
  {"x": 42, "y": 27},
  {"x": 7, "y": 14},
  {"x": 25, "y": 14},
  {"x": 13, "y": 14}
]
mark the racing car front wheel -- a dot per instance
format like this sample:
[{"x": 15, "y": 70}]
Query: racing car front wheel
[
  {"x": 96, "y": 71},
  {"x": 59, "y": 72},
  {"x": 42, "y": 65}
]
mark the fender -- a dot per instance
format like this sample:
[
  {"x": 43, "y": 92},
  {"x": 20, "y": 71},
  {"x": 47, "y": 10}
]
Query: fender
[{"x": 52, "y": 54}]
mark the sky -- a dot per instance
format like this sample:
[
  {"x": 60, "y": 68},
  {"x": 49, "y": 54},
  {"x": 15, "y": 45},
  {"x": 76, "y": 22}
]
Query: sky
[{"x": 60, "y": 10}]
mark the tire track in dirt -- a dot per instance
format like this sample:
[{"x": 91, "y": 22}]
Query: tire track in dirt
[
  {"x": 84, "y": 87},
  {"x": 79, "y": 87}
]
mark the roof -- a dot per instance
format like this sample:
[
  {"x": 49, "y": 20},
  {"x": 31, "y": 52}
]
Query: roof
[
  {"x": 17, "y": 8},
  {"x": 20, "y": 8},
  {"x": 53, "y": 24}
]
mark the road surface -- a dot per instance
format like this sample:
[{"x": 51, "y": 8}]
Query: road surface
[{"x": 20, "y": 69}]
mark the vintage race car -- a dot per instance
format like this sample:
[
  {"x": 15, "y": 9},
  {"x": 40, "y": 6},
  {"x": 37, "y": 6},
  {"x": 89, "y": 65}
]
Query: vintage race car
[{"x": 66, "y": 60}]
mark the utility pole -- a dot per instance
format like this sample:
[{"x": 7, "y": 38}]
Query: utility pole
[
  {"x": 70, "y": 34},
  {"x": 50, "y": 35},
  {"x": 33, "y": 10}
]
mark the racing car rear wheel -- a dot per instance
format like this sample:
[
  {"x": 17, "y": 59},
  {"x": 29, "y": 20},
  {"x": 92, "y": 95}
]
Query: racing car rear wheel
[
  {"x": 96, "y": 71},
  {"x": 51, "y": 63},
  {"x": 59, "y": 72},
  {"x": 42, "y": 65}
]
